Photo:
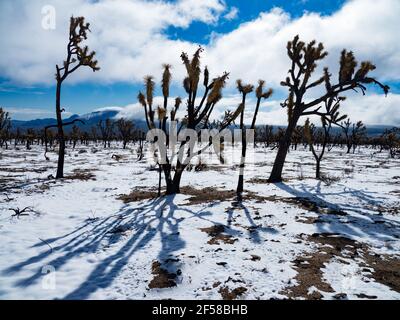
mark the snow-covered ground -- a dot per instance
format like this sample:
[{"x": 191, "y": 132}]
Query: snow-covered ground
[{"x": 303, "y": 238}]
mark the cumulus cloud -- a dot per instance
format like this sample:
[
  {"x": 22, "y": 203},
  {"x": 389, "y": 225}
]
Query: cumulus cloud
[
  {"x": 128, "y": 36},
  {"x": 131, "y": 41}
]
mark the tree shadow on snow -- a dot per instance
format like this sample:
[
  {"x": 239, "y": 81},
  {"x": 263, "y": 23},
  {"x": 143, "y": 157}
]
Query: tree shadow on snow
[
  {"x": 361, "y": 219},
  {"x": 137, "y": 226}
]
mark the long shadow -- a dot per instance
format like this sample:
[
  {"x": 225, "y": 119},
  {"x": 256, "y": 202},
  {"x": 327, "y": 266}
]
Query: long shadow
[
  {"x": 139, "y": 225},
  {"x": 360, "y": 221},
  {"x": 254, "y": 229}
]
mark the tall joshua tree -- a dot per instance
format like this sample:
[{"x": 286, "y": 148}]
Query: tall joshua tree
[
  {"x": 77, "y": 57},
  {"x": 260, "y": 94},
  {"x": 197, "y": 115},
  {"x": 304, "y": 59}
]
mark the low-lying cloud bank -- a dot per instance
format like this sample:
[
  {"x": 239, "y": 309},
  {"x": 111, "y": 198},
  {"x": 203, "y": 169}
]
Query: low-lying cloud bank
[{"x": 374, "y": 109}]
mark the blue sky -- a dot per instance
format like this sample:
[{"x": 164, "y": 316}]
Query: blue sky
[
  {"x": 249, "y": 10},
  {"x": 84, "y": 95}
]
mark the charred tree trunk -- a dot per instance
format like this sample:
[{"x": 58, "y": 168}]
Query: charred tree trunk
[
  {"x": 173, "y": 185},
  {"x": 348, "y": 147},
  {"x": 61, "y": 137},
  {"x": 239, "y": 189},
  {"x": 318, "y": 169},
  {"x": 284, "y": 144}
]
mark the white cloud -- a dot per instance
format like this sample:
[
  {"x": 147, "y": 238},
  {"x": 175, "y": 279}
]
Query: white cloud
[
  {"x": 257, "y": 49},
  {"x": 232, "y": 14},
  {"x": 127, "y": 34}
]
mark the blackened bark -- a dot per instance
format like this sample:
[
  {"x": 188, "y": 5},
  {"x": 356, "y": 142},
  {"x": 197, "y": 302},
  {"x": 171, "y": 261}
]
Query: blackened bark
[
  {"x": 61, "y": 137},
  {"x": 284, "y": 144}
]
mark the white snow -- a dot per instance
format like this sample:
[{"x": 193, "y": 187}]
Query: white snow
[{"x": 71, "y": 230}]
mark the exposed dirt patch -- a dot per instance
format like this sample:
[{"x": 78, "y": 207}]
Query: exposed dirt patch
[
  {"x": 304, "y": 203},
  {"x": 81, "y": 174},
  {"x": 309, "y": 266},
  {"x": 308, "y": 220},
  {"x": 227, "y": 294},
  {"x": 217, "y": 235},
  {"x": 214, "y": 285},
  {"x": 138, "y": 194},
  {"x": 25, "y": 169},
  {"x": 386, "y": 270},
  {"x": 199, "y": 196},
  {"x": 258, "y": 181},
  {"x": 314, "y": 206},
  {"x": 162, "y": 278},
  {"x": 394, "y": 209}
]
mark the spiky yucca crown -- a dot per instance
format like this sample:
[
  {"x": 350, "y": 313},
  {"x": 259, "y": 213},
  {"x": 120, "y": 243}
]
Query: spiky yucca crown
[
  {"x": 216, "y": 91},
  {"x": 78, "y": 32},
  {"x": 244, "y": 88},
  {"x": 166, "y": 80},
  {"x": 260, "y": 91},
  {"x": 161, "y": 113},
  {"x": 305, "y": 57},
  {"x": 308, "y": 131},
  {"x": 193, "y": 70},
  {"x": 149, "y": 85}
]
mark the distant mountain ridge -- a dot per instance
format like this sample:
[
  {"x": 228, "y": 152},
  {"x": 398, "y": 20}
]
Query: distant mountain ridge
[
  {"x": 90, "y": 120},
  {"x": 93, "y": 118}
]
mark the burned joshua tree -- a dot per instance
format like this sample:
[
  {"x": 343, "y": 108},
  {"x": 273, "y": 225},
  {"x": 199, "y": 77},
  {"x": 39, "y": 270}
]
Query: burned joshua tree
[
  {"x": 390, "y": 140},
  {"x": 106, "y": 131},
  {"x": 5, "y": 126},
  {"x": 75, "y": 135},
  {"x": 304, "y": 60},
  {"x": 197, "y": 116},
  {"x": 77, "y": 56},
  {"x": 312, "y": 134},
  {"x": 354, "y": 133},
  {"x": 125, "y": 128},
  {"x": 260, "y": 94}
]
